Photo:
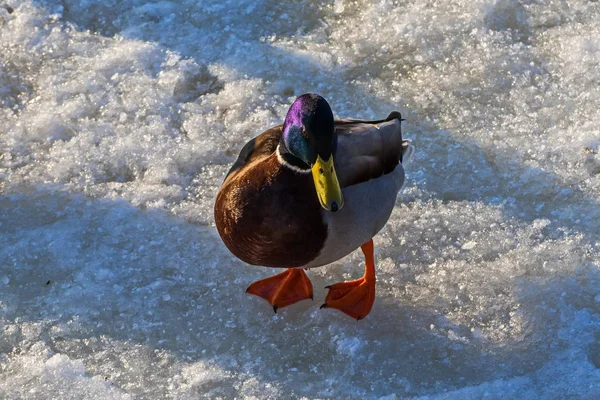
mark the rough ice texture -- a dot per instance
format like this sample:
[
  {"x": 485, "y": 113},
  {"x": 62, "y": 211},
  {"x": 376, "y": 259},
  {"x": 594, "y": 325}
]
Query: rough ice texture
[{"x": 118, "y": 121}]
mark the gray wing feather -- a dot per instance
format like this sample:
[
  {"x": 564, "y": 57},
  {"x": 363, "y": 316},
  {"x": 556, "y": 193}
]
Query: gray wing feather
[{"x": 368, "y": 149}]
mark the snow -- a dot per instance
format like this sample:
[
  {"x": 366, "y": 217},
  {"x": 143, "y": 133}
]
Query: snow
[{"x": 119, "y": 120}]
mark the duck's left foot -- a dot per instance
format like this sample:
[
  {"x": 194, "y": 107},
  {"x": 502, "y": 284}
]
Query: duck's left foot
[
  {"x": 355, "y": 298},
  {"x": 283, "y": 289}
]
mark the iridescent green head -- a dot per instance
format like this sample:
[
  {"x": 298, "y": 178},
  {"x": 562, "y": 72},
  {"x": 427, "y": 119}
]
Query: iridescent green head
[{"x": 308, "y": 142}]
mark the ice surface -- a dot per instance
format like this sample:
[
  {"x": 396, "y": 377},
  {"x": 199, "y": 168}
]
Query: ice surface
[{"x": 119, "y": 120}]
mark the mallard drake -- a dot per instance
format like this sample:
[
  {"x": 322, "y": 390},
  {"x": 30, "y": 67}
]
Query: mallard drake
[{"x": 309, "y": 192}]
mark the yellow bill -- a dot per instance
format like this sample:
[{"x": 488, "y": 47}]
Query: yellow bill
[{"x": 327, "y": 185}]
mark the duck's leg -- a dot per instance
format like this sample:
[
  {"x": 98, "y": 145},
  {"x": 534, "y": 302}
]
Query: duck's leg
[
  {"x": 356, "y": 297},
  {"x": 283, "y": 289}
]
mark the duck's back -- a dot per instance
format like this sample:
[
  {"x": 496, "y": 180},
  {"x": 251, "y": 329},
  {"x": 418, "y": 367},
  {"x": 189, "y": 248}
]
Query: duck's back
[{"x": 368, "y": 149}]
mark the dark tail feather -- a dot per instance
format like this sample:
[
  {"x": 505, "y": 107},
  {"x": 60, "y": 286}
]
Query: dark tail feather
[{"x": 393, "y": 115}]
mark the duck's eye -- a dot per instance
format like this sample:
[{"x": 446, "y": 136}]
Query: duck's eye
[
  {"x": 321, "y": 171},
  {"x": 331, "y": 169}
]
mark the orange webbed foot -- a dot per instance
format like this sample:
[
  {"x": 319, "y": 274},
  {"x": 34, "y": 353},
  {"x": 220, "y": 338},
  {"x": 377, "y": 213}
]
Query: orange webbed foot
[
  {"x": 283, "y": 289},
  {"x": 355, "y": 298}
]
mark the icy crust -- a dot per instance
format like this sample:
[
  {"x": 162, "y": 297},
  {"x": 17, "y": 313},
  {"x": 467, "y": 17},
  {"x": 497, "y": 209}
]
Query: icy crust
[
  {"x": 117, "y": 301},
  {"x": 39, "y": 374},
  {"x": 119, "y": 120}
]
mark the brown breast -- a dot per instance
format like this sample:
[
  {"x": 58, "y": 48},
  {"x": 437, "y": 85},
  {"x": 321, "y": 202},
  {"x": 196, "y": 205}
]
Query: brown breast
[{"x": 269, "y": 215}]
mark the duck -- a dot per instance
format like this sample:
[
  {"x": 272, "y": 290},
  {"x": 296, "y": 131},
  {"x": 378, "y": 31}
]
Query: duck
[{"x": 308, "y": 192}]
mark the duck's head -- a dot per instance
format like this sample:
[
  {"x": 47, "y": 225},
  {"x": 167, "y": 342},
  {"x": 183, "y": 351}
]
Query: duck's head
[{"x": 308, "y": 143}]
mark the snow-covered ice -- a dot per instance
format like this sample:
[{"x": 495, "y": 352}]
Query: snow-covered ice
[{"x": 118, "y": 121}]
